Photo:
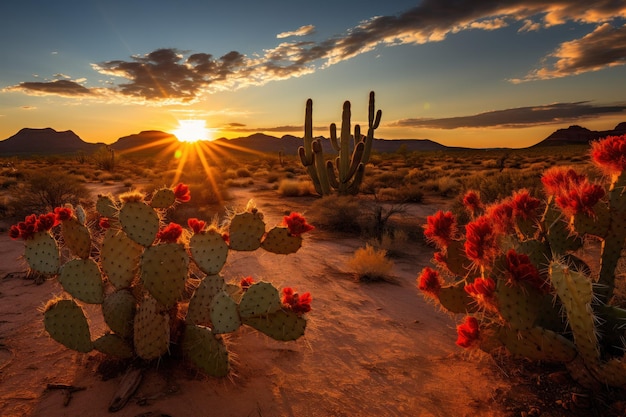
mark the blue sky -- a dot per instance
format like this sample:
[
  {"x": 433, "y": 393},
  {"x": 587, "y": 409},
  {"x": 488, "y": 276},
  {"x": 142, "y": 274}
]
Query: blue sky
[{"x": 462, "y": 73}]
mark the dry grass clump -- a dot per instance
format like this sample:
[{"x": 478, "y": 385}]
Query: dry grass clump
[
  {"x": 370, "y": 264},
  {"x": 296, "y": 188}
]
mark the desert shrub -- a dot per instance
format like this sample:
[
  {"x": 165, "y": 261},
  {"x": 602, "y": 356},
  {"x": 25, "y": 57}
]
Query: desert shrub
[
  {"x": 46, "y": 188},
  {"x": 243, "y": 173},
  {"x": 295, "y": 188},
  {"x": 393, "y": 242},
  {"x": 104, "y": 158},
  {"x": 272, "y": 177},
  {"x": 370, "y": 264},
  {"x": 501, "y": 184},
  {"x": 337, "y": 213}
]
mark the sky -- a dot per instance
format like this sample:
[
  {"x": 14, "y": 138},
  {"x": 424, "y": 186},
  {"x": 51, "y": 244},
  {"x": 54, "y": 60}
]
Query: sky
[{"x": 474, "y": 73}]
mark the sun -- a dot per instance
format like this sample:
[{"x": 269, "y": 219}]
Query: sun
[{"x": 192, "y": 130}]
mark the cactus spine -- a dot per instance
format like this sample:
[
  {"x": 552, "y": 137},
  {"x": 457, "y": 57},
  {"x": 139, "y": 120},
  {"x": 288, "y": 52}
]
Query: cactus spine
[{"x": 346, "y": 174}]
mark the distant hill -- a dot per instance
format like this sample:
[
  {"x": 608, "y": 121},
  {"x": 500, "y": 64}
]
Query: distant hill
[
  {"x": 153, "y": 142},
  {"x": 145, "y": 142},
  {"x": 579, "y": 135},
  {"x": 45, "y": 142},
  {"x": 289, "y": 144}
]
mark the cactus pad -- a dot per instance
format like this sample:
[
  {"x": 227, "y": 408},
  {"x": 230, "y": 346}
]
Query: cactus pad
[
  {"x": 118, "y": 309},
  {"x": 538, "y": 344},
  {"x": 199, "y": 306},
  {"x": 76, "y": 237},
  {"x": 114, "y": 345},
  {"x": 139, "y": 221},
  {"x": 66, "y": 323},
  {"x": 42, "y": 254},
  {"x": 206, "y": 350},
  {"x": 576, "y": 293},
  {"x": 260, "y": 299},
  {"x": 209, "y": 251},
  {"x": 224, "y": 314},
  {"x": 163, "y": 198},
  {"x": 83, "y": 280},
  {"x": 152, "y": 330},
  {"x": 246, "y": 230},
  {"x": 279, "y": 240},
  {"x": 280, "y": 325},
  {"x": 119, "y": 257},
  {"x": 164, "y": 270},
  {"x": 106, "y": 206},
  {"x": 454, "y": 299}
]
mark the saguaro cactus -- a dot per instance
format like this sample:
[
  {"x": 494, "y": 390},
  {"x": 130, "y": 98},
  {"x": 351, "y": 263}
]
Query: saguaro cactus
[
  {"x": 346, "y": 175},
  {"x": 516, "y": 276}
]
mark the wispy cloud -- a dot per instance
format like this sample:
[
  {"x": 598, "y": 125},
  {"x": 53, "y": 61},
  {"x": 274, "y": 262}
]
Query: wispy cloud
[
  {"x": 301, "y": 31},
  {"x": 170, "y": 76},
  {"x": 604, "y": 47},
  {"x": 557, "y": 113},
  {"x": 63, "y": 88}
]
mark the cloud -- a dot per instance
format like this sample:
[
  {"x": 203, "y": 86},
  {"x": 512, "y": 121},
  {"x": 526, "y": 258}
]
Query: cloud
[
  {"x": 301, "y": 31},
  {"x": 557, "y": 113},
  {"x": 170, "y": 76},
  {"x": 63, "y": 88},
  {"x": 604, "y": 47}
]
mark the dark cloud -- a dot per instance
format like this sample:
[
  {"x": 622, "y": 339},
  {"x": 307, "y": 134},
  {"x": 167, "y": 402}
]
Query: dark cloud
[
  {"x": 169, "y": 75},
  {"x": 517, "y": 117},
  {"x": 63, "y": 88}
]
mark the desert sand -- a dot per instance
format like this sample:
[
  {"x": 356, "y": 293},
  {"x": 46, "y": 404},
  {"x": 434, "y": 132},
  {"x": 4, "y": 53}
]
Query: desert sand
[{"x": 370, "y": 349}]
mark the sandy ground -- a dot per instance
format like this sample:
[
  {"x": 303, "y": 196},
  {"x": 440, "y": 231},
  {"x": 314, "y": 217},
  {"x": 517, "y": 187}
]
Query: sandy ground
[{"x": 371, "y": 349}]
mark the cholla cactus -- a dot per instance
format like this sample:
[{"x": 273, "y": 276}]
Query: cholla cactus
[
  {"x": 352, "y": 158},
  {"x": 516, "y": 276},
  {"x": 139, "y": 270}
]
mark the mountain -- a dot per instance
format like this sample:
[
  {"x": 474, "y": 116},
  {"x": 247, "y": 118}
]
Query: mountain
[
  {"x": 145, "y": 142},
  {"x": 153, "y": 142},
  {"x": 575, "y": 134},
  {"x": 289, "y": 144},
  {"x": 45, "y": 141}
]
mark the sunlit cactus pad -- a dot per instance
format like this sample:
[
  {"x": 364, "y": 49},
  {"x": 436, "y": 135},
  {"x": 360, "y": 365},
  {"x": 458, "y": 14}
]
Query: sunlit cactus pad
[{"x": 160, "y": 286}]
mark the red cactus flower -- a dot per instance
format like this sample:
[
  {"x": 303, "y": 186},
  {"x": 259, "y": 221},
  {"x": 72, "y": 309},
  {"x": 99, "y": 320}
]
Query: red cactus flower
[
  {"x": 104, "y": 223},
  {"x": 196, "y": 225},
  {"x": 441, "y": 228},
  {"x": 429, "y": 282},
  {"x": 472, "y": 203},
  {"x": 181, "y": 191},
  {"x": 63, "y": 213},
  {"x": 295, "y": 302},
  {"x": 580, "y": 199},
  {"x": 484, "y": 287},
  {"x": 501, "y": 214},
  {"x": 296, "y": 224},
  {"x": 481, "y": 244},
  {"x": 610, "y": 154},
  {"x": 558, "y": 179},
  {"x": 524, "y": 205},
  {"x": 520, "y": 269},
  {"x": 46, "y": 222},
  {"x": 170, "y": 233},
  {"x": 14, "y": 232},
  {"x": 246, "y": 282},
  {"x": 468, "y": 332}
]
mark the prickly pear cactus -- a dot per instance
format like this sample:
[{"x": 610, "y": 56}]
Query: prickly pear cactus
[
  {"x": 515, "y": 276},
  {"x": 160, "y": 287}
]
